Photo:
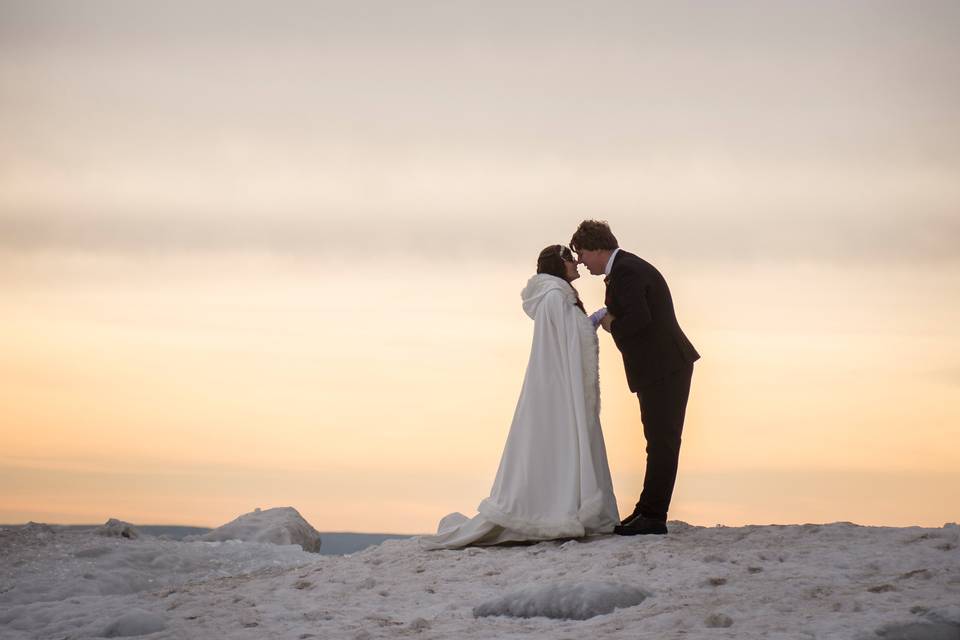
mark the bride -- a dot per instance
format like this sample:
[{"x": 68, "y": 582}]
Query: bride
[{"x": 553, "y": 480}]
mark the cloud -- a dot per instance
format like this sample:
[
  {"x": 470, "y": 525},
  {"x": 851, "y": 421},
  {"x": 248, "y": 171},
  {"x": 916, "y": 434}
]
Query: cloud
[
  {"x": 932, "y": 240},
  {"x": 753, "y": 132},
  {"x": 948, "y": 375},
  {"x": 781, "y": 77},
  {"x": 742, "y": 23}
]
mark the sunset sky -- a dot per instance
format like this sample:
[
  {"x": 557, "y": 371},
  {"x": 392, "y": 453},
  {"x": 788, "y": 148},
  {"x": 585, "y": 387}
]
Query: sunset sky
[{"x": 260, "y": 254}]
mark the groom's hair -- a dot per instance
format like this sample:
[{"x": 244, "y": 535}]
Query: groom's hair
[{"x": 592, "y": 235}]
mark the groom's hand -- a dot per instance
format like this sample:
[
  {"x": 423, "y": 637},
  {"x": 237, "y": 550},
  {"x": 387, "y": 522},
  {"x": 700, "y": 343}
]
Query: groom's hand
[{"x": 606, "y": 321}]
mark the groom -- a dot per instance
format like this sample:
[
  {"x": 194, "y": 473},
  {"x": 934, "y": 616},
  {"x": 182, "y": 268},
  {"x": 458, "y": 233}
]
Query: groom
[{"x": 657, "y": 357}]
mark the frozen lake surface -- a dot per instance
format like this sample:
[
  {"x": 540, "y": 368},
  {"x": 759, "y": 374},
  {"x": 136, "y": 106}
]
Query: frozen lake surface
[{"x": 799, "y": 581}]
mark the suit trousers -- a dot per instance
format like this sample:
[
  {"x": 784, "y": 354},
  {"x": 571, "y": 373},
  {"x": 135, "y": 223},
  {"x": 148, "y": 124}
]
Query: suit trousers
[{"x": 663, "y": 405}]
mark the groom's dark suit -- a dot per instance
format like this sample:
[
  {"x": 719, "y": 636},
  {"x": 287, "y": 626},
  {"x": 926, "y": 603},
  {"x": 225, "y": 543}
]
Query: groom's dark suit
[{"x": 658, "y": 360}]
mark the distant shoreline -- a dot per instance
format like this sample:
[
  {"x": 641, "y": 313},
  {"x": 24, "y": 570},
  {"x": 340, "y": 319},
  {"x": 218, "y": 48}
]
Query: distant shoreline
[
  {"x": 145, "y": 527},
  {"x": 333, "y": 543}
]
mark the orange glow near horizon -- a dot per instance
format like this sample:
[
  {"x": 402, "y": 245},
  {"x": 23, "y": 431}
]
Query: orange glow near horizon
[{"x": 192, "y": 401}]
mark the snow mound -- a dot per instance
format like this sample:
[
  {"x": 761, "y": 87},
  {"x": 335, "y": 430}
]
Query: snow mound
[
  {"x": 573, "y": 601},
  {"x": 134, "y": 623},
  {"x": 281, "y": 525},
  {"x": 718, "y": 621},
  {"x": 38, "y": 530},
  {"x": 114, "y": 528}
]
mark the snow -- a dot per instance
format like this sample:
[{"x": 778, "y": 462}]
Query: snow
[
  {"x": 281, "y": 525},
  {"x": 798, "y": 581}
]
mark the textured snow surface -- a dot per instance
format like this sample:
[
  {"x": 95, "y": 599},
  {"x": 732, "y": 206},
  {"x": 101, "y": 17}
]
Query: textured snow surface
[{"x": 771, "y": 582}]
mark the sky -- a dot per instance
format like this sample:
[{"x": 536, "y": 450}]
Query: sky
[{"x": 264, "y": 254}]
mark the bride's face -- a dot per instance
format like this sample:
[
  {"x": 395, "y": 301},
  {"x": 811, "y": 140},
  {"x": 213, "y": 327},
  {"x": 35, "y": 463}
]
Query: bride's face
[{"x": 572, "y": 272}]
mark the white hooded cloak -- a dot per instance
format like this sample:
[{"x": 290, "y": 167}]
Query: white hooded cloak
[{"x": 553, "y": 480}]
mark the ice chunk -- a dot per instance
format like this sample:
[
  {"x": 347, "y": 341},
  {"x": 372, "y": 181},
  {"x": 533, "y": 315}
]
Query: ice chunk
[
  {"x": 118, "y": 529},
  {"x": 282, "y": 525}
]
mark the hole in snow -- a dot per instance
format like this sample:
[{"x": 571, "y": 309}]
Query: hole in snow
[
  {"x": 921, "y": 631},
  {"x": 569, "y": 601}
]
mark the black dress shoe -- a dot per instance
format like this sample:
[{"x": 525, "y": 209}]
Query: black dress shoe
[
  {"x": 631, "y": 517},
  {"x": 641, "y": 526}
]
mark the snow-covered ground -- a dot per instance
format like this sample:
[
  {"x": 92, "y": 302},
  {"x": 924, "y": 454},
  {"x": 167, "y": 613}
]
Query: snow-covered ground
[{"x": 803, "y": 581}]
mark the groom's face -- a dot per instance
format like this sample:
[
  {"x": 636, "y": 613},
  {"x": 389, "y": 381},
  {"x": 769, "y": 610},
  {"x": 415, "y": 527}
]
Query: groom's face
[{"x": 593, "y": 259}]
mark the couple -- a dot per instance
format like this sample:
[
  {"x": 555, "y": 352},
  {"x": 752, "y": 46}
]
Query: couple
[{"x": 554, "y": 481}]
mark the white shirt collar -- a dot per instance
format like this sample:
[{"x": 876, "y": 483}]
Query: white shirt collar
[{"x": 606, "y": 269}]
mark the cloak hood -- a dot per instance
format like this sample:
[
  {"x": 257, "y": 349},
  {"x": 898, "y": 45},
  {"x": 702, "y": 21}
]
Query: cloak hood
[{"x": 539, "y": 286}]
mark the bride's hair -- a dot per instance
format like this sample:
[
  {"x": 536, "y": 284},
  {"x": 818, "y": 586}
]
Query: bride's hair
[{"x": 551, "y": 262}]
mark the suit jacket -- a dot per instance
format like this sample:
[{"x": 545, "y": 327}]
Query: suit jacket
[{"x": 645, "y": 327}]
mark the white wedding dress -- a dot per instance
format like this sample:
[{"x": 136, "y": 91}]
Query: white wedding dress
[{"x": 553, "y": 480}]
